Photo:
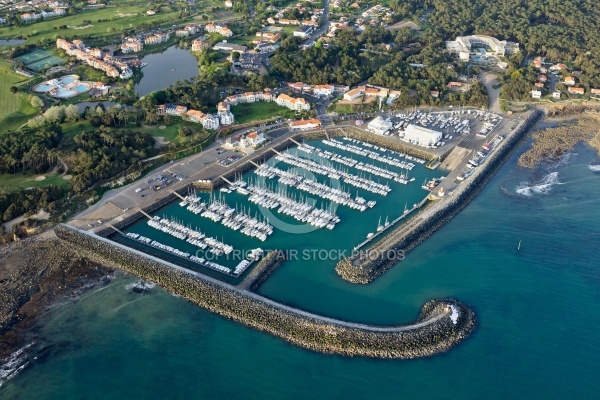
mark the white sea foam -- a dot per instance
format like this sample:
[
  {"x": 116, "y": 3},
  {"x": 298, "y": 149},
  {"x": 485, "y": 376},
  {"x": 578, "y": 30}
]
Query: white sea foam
[
  {"x": 144, "y": 284},
  {"x": 14, "y": 364},
  {"x": 595, "y": 168},
  {"x": 542, "y": 187},
  {"x": 454, "y": 315}
]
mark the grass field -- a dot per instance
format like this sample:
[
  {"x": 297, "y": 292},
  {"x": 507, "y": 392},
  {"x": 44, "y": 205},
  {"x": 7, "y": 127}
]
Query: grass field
[
  {"x": 115, "y": 18},
  {"x": 14, "y": 108},
  {"x": 9, "y": 102},
  {"x": 258, "y": 111},
  {"x": 13, "y": 183}
]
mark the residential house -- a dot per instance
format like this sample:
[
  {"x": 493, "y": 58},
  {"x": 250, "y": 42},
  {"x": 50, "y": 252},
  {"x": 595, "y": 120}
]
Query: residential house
[
  {"x": 569, "y": 81},
  {"x": 199, "y": 45},
  {"x": 323, "y": 90},
  {"x": 303, "y": 31},
  {"x": 292, "y": 103},
  {"x": 542, "y": 78},
  {"x": 558, "y": 67},
  {"x": 556, "y": 95},
  {"x": 255, "y": 138},
  {"x": 353, "y": 94},
  {"x": 595, "y": 91},
  {"x": 576, "y": 90},
  {"x": 305, "y": 124},
  {"x": 221, "y": 30},
  {"x": 457, "y": 86},
  {"x": 536, "y": 94}
]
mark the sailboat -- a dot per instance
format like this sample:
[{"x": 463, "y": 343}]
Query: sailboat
[
  {"x": 379, "y": 226},
  {"x": 519, "y": 246}
]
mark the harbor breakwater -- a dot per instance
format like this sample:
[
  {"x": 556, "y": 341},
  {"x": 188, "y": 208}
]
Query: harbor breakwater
[
  {"x": 262, "y": 271},
  {"x": 441, "y": 323},
  {"x": 368, "y": 265}
]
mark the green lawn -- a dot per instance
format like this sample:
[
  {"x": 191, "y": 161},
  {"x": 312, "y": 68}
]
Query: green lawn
[
  {"x": 9, "y": 102},
  {"x": 15, "y": 109},
  {"x": 258, "y": 111},
  {"x": 116, "y": 18},
  {"x": 15, "y": 182}
]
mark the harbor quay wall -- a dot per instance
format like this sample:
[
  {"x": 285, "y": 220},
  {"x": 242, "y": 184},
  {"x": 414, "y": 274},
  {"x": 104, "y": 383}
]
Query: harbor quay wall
[
  {"x": 441, "y": 323},
  {"x": 262, "y": 271},
  {"x": 368, "y": 265},
  {"x": 150, "y": 208}
]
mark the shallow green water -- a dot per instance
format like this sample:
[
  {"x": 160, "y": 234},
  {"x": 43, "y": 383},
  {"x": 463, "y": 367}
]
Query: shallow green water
[{"x": 537, "y": 310}]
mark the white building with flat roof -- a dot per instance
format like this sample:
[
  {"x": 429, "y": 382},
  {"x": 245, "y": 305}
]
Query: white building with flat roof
[
  {"x": 421, "y": 135},
  {"x": 380, "y": 126},
  {"x": 464, "y": 46}
]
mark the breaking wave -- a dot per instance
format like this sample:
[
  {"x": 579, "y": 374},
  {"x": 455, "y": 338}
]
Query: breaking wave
[
  {"x": 544, "y": 186},
  {"x": 141, "y": 285},
  {"x": 14, "y": 364},
  {"x": 595, "y": 168}
]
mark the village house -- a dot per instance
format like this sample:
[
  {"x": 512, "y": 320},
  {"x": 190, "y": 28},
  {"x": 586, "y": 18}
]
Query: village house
[
  {"x": 539, "y": 85},
  {"x": 132, "y": 45},
  {"x": 576, "y": 90},
  {"x": 595, "y": 91},
  {"x": 536, "y": 94},
  {"x": 199, "y": 45},
  {"x": 323, "y": 90},
  {"x": 221, "y": 30},
  {"x": 569, "y": 81},
  {"x": 297, "y": 104},
  {"x": 353, "y": 94},
  {"x": 556, "y": 95},
  {"x": 542, "y": 78},
  {"x": 305, "y": 124},
  {"x": 157, "y": 38},
  {"x": 459, "y": 86},
  {"x": 150, "y": 12},
  {"x": 303, "y": 31},
  {"x": 558, "y": 67}
]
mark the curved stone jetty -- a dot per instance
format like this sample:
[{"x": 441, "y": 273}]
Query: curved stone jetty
[
  {"x": 364, "y": 267},
  {"x": 440, "y": 325}
]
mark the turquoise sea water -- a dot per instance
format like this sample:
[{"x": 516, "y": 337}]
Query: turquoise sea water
[{"x": 537, "y": 309}]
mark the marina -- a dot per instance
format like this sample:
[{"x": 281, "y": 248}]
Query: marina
[{"x": 286, "y": 195}]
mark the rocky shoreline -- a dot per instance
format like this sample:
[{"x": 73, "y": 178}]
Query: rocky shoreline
[
  {"x": 551, "y": 143},
  {"x": 441, "y": 324},
  {"x": 35, "y": 274},
  {"x": 363, "y": 269}
]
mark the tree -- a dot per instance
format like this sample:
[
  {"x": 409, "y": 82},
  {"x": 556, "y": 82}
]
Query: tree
[
  {"x": 14, "y": 89},
  {"x": 55, "y": 114},
  {"x": 235, "y": 55},
  {"x": 36, "y": 101},
  {"x": 72, "y": 113}
]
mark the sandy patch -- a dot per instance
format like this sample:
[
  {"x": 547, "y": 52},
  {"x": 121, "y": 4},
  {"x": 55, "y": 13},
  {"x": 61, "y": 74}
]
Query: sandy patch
[
  {"x": 40, "y": 178},
  {"x": 403, "y": 24},
  {"x": 80, "y": 27},
  {"x": 160, "y": 140},
  {"x": 162, "y": 127},
  {"x": 67, "y": 177}
]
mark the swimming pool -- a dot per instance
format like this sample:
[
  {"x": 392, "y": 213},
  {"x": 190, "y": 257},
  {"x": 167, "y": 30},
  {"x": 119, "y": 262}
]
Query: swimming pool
[{"x": 42, "y": 88}]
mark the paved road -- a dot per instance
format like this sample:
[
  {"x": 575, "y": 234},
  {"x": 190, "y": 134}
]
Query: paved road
[{"x": 489, "y": 79}]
